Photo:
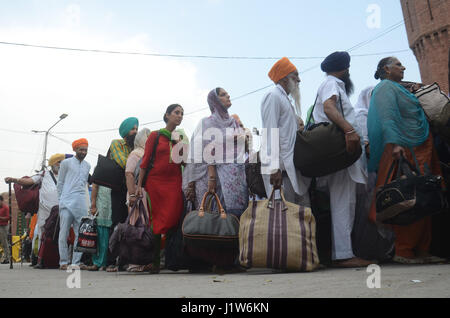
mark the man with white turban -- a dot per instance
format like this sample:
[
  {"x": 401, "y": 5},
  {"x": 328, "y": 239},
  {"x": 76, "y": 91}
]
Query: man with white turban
[{"x": 48, "y": 194}]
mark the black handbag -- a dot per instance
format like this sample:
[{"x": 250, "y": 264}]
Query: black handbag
[
  {"x": 320, "y": 149},
  {"x": 212, "y": 237},
  {"x": 254, "y": 178},
  {"x": 134, "y": 244},
  {"x": 411, "y": 196},
  {"x": 108, "y": 173}
]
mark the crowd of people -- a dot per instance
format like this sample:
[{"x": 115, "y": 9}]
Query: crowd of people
[{"x": 387, "y": 123}]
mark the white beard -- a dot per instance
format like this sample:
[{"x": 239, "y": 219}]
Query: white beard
[
  {"x": 294, "y": 89},
  {"x": 55, "y": 170}
]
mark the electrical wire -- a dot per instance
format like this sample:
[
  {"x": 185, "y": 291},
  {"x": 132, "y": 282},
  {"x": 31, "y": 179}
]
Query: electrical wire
[
  {"x": 169, "y": 55},
  {"x": 355, "y": 47}
]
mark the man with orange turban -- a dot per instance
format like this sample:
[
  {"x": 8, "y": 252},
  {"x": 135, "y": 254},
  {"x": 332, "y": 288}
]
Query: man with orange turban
[
  {"x": 72, "y": 187},
  {"x": 279, "y": 120},
  {"x": 48, "y": 197}
]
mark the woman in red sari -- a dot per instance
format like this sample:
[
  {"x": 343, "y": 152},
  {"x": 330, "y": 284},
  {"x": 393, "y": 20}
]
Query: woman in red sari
[{"x": 164, "y": 182}]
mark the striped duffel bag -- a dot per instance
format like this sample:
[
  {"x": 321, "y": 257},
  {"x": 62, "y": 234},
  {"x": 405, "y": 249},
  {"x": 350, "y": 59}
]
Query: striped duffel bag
[{"x": 278, "y": 234}]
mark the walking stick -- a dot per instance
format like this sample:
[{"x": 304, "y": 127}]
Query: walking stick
[{"x": 10, "y": 230}]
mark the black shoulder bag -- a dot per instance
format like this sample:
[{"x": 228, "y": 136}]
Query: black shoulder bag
[
  {"x": 321, "y": 149},
  {"x": 152, "y": 160}
]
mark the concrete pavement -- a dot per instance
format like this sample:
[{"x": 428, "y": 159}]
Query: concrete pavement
[{"x": 396, "y": 281}]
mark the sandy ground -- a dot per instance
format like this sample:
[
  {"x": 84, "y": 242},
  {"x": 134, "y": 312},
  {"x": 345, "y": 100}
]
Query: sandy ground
[{"x": 396, "y": 281}]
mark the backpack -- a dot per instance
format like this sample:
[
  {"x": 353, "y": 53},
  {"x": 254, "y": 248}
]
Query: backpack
[
  {"x": 436, "y": 106},
  {"x": 28, "y": 196},
  {"x": 51, "y": 226}
]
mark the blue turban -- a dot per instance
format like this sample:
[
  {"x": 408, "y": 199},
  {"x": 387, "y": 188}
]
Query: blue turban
[
  {"x": 335, "y": 62},
  {"x": 127, "y": 125}
]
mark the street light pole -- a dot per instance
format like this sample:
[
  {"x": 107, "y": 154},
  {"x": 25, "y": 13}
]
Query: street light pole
[{"x": 46, "y": 138}]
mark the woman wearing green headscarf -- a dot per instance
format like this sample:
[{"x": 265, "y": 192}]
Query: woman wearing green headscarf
[
  {"x": 163, "y": 183},
  {"x": 396, "y": 124}
]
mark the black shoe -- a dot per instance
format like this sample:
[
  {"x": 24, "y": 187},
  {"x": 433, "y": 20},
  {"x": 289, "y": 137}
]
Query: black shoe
[{"x": 5, "y": 261}]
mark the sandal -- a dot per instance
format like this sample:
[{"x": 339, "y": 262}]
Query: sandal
[
  {"x": 405, "y": 260},
  {"x": 433, "y": 259},
  {"x": 354, "y": 262},
  {"x": 112, "y": 269},
  {"x": 152, "y": 269},
  {"x": 136, "y": 269},
  {"x": 93, "y": 268}
]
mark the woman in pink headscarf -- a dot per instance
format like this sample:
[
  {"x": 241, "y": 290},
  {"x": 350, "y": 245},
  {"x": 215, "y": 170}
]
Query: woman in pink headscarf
[{"x": 210, "y": 172}]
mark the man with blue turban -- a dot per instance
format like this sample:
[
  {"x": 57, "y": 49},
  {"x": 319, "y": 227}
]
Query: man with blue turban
[
  {"x": 118, "y": 152},
  {"x": 333, "y": 106}
]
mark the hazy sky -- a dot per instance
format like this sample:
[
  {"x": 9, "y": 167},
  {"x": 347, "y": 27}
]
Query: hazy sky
[{"x": 99, "y": 90}]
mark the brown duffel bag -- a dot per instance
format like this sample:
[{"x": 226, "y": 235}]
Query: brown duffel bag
[{"x": 320, "y": 149}]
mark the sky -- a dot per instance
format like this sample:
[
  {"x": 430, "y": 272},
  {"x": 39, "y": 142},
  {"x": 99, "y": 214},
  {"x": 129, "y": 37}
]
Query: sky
[{"x": 99, "y": 90}]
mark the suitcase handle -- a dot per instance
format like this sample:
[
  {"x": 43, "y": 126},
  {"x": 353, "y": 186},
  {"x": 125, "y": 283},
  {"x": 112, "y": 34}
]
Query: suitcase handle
[
  {"x": 201, "y": 210},
  {"x": 271, "y": 201}
]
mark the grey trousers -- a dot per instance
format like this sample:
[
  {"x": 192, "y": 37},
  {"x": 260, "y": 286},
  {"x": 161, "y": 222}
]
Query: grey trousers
[{"x": 4, "y": 241}]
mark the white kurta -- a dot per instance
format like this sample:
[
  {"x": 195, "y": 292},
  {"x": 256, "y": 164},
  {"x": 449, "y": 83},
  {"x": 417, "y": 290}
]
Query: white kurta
[
  {"x": 277, "y": 112},
  {"x": 341, "y": 184},
  {"x": 362, "y": 111},
  {"x": 73, "y": 203},
  {"x": 48, "y": 196},
  {"x": 335, "y": 87}
]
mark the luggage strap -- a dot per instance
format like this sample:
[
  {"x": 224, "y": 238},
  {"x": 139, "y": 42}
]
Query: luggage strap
[
  {"x": 314, "y": 106},
  {"x": 152, "y": 160},
  {"x": 53, "y": 177}
]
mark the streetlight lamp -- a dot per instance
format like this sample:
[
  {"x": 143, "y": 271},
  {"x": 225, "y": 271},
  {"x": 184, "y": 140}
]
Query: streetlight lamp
[{"x": 46, "y": 138}]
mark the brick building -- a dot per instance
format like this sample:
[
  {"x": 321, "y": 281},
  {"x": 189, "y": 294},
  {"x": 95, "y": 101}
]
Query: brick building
[{"x": 427, "y": 25}]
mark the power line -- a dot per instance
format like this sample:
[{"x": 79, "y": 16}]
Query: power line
[
  {"x": 70, "y": 143},
  {"x": 200, "y": 109},
  {"x": 16, "y": 131},
  {"x": 20, "y": 152},
  {"x": 355, "y": 47},
  {"x": 167, "y": 55}
]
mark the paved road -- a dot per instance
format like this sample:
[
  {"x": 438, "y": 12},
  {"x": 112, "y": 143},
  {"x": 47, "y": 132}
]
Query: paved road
[{"x": 396, "y": 281}]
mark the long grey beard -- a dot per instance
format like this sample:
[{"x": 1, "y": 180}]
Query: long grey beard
[{"x": 296, "y": 96}]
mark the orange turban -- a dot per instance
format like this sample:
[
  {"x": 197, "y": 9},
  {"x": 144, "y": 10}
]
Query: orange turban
[
  {"x": 281, "y": 69},
  {"x": 79, "y": 143}
]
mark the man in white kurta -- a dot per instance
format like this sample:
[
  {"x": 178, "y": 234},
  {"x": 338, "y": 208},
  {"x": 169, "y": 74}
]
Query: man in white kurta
[
  {"x": 280, "y": 125},
  {"x": 362, "y": 111},
  {"x": 72, "y": 187},
  {"x": 342, "y": 184},
  {"x": 48, "y": 194}
]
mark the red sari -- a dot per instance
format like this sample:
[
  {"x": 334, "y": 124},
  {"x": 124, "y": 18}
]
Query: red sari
[{"x": 163, "y": 185}]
